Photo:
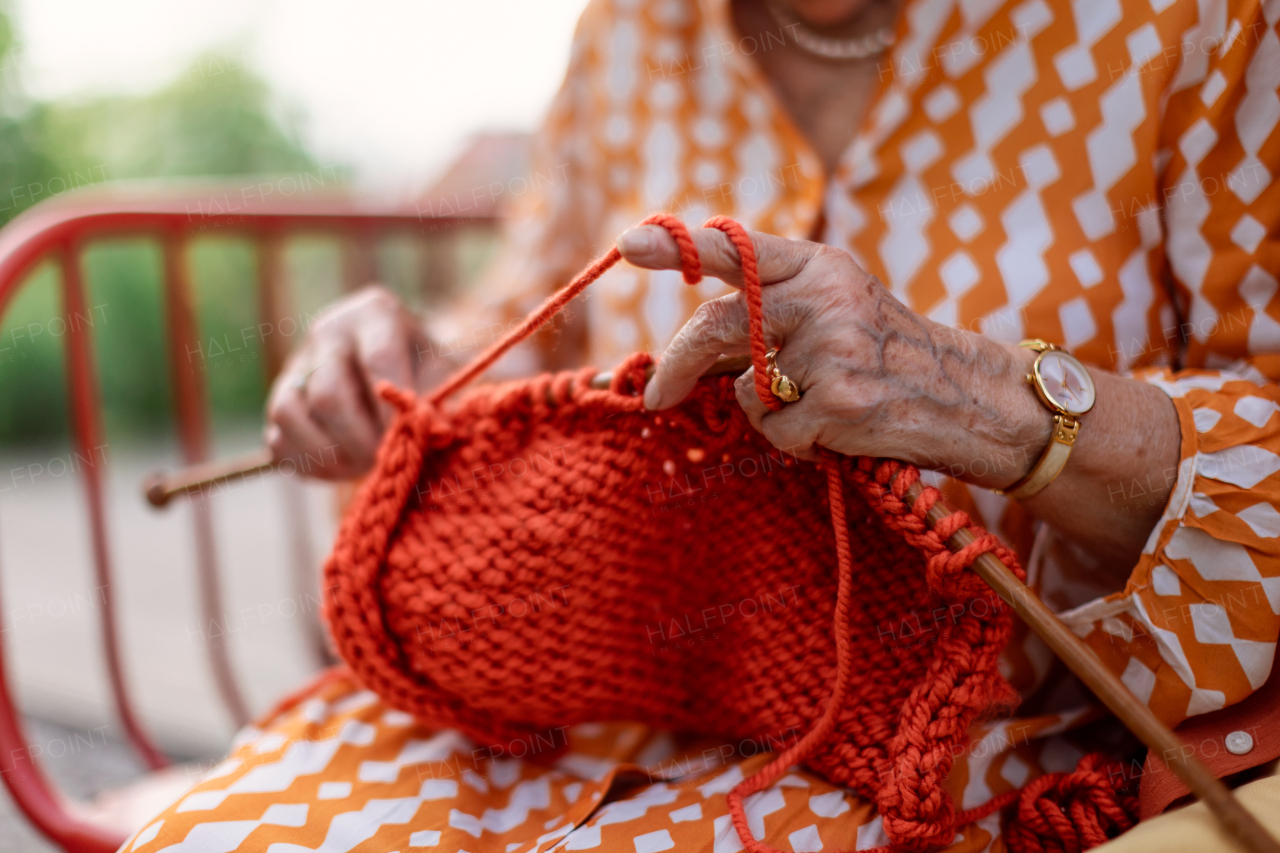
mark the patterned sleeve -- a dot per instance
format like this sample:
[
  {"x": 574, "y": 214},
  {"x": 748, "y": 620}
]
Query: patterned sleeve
[{"x": 1195, "y": 629}]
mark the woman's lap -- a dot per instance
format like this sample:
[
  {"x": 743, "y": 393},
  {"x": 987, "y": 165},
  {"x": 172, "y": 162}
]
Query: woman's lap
[{"x": 339, "y": 771}]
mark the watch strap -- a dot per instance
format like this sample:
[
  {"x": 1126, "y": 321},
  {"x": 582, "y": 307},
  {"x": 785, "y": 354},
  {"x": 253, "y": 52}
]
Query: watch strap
[{"x": 1051, "y": 462}]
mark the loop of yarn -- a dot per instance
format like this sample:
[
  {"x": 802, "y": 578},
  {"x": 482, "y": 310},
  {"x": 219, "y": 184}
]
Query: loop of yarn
[
  {"x": 482, "y": 504},
  {"x": 690, "y": 263},
  {"x": 629, "y": 377},
  {"x": 885, "y": 484},
  {"x": 402, "y": 399},
  {"x": 755, "y": 304},
  {"x": 1071, "y": 812}
]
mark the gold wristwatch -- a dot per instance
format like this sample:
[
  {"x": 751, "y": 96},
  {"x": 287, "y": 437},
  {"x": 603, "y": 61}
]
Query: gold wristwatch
[{"x": 1066, "y": 389}]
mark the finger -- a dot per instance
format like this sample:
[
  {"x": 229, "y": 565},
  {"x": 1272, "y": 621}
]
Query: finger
[
  {"x": 385, "y": 350},
  {"x": 430, "y": 365},
  {"x": 285, "y": 402},
  {"x": 778, "y": 259},
  {"x": 792, "y": 434},
  {"x": 719, "y": 326},
  {"x": 292, "y": 435},
  {"x": 744, "y": 388},
  {"x": 339, "y": 402},
  {"x": 793, "y": 429}
]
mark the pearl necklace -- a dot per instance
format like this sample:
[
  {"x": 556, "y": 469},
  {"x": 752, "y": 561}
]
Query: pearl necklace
[{"x": 841, "y": 50}]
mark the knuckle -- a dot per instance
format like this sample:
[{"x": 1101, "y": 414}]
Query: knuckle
[
  {"x": 837, "y": 266},
  {"x": 327, "y": 323},
  {"x": 326, "y": 402},
  {"x": 705, "y": 314},
  {"x": 821, "y": 251},
  {"x": 724, "y": 255},
  {"x": 374, "y": 299},
  {"x": 777, "y": 436},
  {"x": 284, "y": 403},
  {"x": 711, "y": 322},
  {"x": 385, "y": 352},
  {"x": 275, "y": 413},
  {"x": 277, "y": 399},
  {"x": 277, "y": 444},
  {"x": 295, "y": 364},
  {"x": 779, "y": 306},
  {"x": 383, "y": 360},
  {"x": 379, "y": 297}
]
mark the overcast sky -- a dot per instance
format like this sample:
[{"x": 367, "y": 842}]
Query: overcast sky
[{"x": 392, "y": 87}]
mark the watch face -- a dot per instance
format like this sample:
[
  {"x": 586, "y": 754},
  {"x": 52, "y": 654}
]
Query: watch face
[{"x": 1066, "y": 382}]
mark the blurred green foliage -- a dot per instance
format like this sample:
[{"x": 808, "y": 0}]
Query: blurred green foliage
[
  {"x": 32, "y": 399},
  {"x": 216, "y": 119},
  {"x": 230, "y": 350}
]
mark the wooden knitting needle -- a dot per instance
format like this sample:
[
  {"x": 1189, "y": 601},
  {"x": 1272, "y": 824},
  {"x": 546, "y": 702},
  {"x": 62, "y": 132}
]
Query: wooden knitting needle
[
  {"x": 162, "y": 487},
  {"x": 723, "y": 365},
  {"x": 1107, "y": 686}
]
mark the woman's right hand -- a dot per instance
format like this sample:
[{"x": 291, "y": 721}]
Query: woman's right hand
[{"x": 323, "y": 413}]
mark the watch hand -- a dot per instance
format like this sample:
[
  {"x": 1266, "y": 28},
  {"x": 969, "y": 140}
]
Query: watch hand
[{"x": 1073, "y": 394}]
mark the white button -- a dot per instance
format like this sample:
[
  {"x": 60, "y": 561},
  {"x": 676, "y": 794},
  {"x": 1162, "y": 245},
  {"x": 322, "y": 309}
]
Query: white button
[{"x": 1239, "y": 743}]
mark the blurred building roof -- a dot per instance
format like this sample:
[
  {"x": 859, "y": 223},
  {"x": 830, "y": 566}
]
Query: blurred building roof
[{"x": 492, "y": 168}]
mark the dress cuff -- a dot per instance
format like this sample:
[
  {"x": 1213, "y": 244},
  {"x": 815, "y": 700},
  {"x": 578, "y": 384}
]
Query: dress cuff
[{"x": 1195, "y": 627}]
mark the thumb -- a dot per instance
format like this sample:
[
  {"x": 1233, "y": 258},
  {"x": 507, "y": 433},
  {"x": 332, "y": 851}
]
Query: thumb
[{"x": 778, "y": 259}]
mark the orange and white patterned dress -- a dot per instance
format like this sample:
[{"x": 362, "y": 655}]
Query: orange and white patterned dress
[{"x": 1094, "y": 172}]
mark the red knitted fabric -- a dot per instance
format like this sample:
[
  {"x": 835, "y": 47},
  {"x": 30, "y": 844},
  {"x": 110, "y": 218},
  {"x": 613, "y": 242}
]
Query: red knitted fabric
[{"x": 527, "y": 557}]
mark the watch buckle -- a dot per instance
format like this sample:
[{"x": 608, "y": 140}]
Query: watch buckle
[{"x": 1065, "y": 429}]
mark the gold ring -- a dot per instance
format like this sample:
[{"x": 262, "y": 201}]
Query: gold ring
[{"x": 781, "y": 386}]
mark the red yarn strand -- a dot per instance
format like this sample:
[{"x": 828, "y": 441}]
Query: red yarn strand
[
  {"x": 691, "y": 266},
  {"x": 821, "y": 730},
  {"x": 535, "y": 321},
  {"x": 755, "y": 304}
]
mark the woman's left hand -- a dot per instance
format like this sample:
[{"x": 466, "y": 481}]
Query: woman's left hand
[{"x": 877, "y": 379}]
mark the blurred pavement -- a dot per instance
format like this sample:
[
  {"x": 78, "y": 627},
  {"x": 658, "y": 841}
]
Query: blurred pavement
[{"x": 51, "y": 605}]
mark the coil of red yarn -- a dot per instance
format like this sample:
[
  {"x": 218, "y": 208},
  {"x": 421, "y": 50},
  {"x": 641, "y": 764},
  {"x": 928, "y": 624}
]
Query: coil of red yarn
[{"x": 533, "y": 554}]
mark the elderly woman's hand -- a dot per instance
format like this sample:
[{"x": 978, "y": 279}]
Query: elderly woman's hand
[
  {"x": 880, "y": 380},
  {"x": 323, "y": 413},
  {"x": 877, "y": 378}
]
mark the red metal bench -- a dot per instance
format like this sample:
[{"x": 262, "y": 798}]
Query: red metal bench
[{"x": 59, "y": 230}]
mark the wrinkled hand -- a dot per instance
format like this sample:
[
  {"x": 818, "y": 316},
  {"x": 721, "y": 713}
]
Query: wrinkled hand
[
  {"x": 877, "y": 378},
  {"x": 322, "y": 412}
]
